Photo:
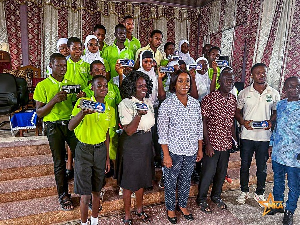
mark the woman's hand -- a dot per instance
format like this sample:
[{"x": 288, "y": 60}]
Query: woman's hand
[
  {"x": 247, "y": 124},
  {"x": 142, "y": 112},
  {"x": 168, "y": 161},
  {"x": 199, "y": 155}
]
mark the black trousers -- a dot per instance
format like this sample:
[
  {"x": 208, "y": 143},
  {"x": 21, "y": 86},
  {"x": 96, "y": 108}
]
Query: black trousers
[
  {"x": 213, "y": 169},
  {"x": 260, "y": 148},
  {"x": 57, "y": 135}
]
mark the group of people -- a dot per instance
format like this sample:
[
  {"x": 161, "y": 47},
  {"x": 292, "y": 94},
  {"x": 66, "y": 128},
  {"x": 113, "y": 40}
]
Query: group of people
[{"x": 186, "y": 115}]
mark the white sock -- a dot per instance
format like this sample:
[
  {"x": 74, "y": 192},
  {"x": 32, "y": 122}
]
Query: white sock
[
  {"x": 94, "y": 221},
  {"x": 83, "y": 223}
]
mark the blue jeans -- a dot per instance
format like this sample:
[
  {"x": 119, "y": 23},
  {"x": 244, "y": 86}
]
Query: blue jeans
[
  {"x": 261, "y": 156},
  {"x": 293, "y": 176}
]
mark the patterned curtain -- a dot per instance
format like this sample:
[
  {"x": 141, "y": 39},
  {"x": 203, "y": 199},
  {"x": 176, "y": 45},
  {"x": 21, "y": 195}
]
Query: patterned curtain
[
  {"x": 3, "y": 30},
  {"x": 13, "y": 27},
  {"x": 193, "y": 33},
  {"x": 34, "y": 33},
  {"x": 51, "y": 34},
  {"x": 292, "y": 55},
  {"x": 145, "y": 24}
]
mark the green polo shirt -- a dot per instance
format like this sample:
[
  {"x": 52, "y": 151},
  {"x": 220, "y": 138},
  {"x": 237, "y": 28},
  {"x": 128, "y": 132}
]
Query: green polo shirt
[
  {"x": 46, "y": 90},
  {"x": 113, "y": 97},
  {"x": 133, "y": 45},
  {"x": 78, "y": 72},
  {"x": 112, "y": 54},
  {"x": 210, "y": 75},
  {"x": 93, "y": 127},
  {"x": 104, "y": 46}
]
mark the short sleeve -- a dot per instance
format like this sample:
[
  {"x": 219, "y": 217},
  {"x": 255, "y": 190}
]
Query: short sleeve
[
  {"x": 241, "y": 100},
  {"x": 40, "y": 93},
  {"x": 76, "y": 110},
  {"x": 276, "y": 100},
  {"x": 112, "y": 118},
  {"x": 125, "y": 112},
  {"x": 163, "y": 121}
]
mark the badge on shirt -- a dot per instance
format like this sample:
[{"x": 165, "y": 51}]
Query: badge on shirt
[{"x": 269, "y": 98}]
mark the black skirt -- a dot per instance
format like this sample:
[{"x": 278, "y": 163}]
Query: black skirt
[{"x": 135, "y": 161}]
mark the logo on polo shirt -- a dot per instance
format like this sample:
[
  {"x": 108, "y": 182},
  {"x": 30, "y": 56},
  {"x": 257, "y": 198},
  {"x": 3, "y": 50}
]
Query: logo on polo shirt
[
  {"x": 269, "y": 98},
  {"x": 126, "y": 55}
]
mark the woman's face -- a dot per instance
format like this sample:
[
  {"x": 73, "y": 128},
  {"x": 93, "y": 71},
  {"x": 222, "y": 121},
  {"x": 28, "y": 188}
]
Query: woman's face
[
  {"x": 182, "y": 86},
  {"x": 147, "y": 64},
  {"x": 185, "y": 48},
  {"x": 93, "y": 46},
  {"x": 63, "y": 49},
  {"x": 141, "y": 89}
]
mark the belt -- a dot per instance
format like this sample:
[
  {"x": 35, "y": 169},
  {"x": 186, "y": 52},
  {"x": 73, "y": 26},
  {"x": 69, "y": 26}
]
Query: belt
[
  {"x": 95, "y": 146},
  {"x": 142, "y": 131},
  {"x": 60, "y": 122}
]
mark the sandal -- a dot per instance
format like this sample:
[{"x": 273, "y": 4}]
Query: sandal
[
  {"x": 219, "y": 202},
  {"x": 204, "y": 207},
  {"x": 129, "y": 221},
  {"x": 66, "y": 202},
  {"x": 143, "y": 216},
  {"x": 91, "y": 206}
]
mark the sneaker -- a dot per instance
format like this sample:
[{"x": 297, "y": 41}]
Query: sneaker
[
  {"x": 287, "y": 218},
  {"x": 259, "y": 198},
  {"x": 242, "y": 197},
  {"x": 121, "y": 191},
  {"x": 161, "y": 183}
]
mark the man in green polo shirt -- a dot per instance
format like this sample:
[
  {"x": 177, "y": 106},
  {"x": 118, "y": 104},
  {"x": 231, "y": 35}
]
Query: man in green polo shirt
[
  {"x": 131, "y": 42},
  {"x": 117, "y": 50},
  {"x": 214, "y": 71},
  {"x": 92, "y": 157},
  {"x": 78, "y": 71},
  {"x": 55, "y": 107},
  {"x": 100, "y": 32},
  {"x": 113, "y": 98}
]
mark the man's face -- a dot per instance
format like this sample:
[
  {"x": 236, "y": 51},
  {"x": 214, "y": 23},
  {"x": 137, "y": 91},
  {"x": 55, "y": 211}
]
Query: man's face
[
  {"x": 156, "y": 40},
  {"x": 129, "y": 24},
  {"x": 213, "y": 55},
  {"x": 121, "y": 35},
  {"x": 59, "y": 68},
  {"x": 75, "y": 50},
  {"x": 100, "y": 87},
  {"x": 206, "y": 49},
  {"x": 100, "y": 34},
  {"x": 98, "y": 69},
  {"x": 226, "y": 81},
  {"x": 259, "y": 74},
  {"x": 170, "y": 50},
  {"x": 292, "y": 88}
]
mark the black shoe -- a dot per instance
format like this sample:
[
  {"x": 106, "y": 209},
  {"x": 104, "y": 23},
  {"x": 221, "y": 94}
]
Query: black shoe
[
  {"x": 287, "y": 218},
  {"x": 172, "y": 220},
  {"x": 274, "y": 211}
]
